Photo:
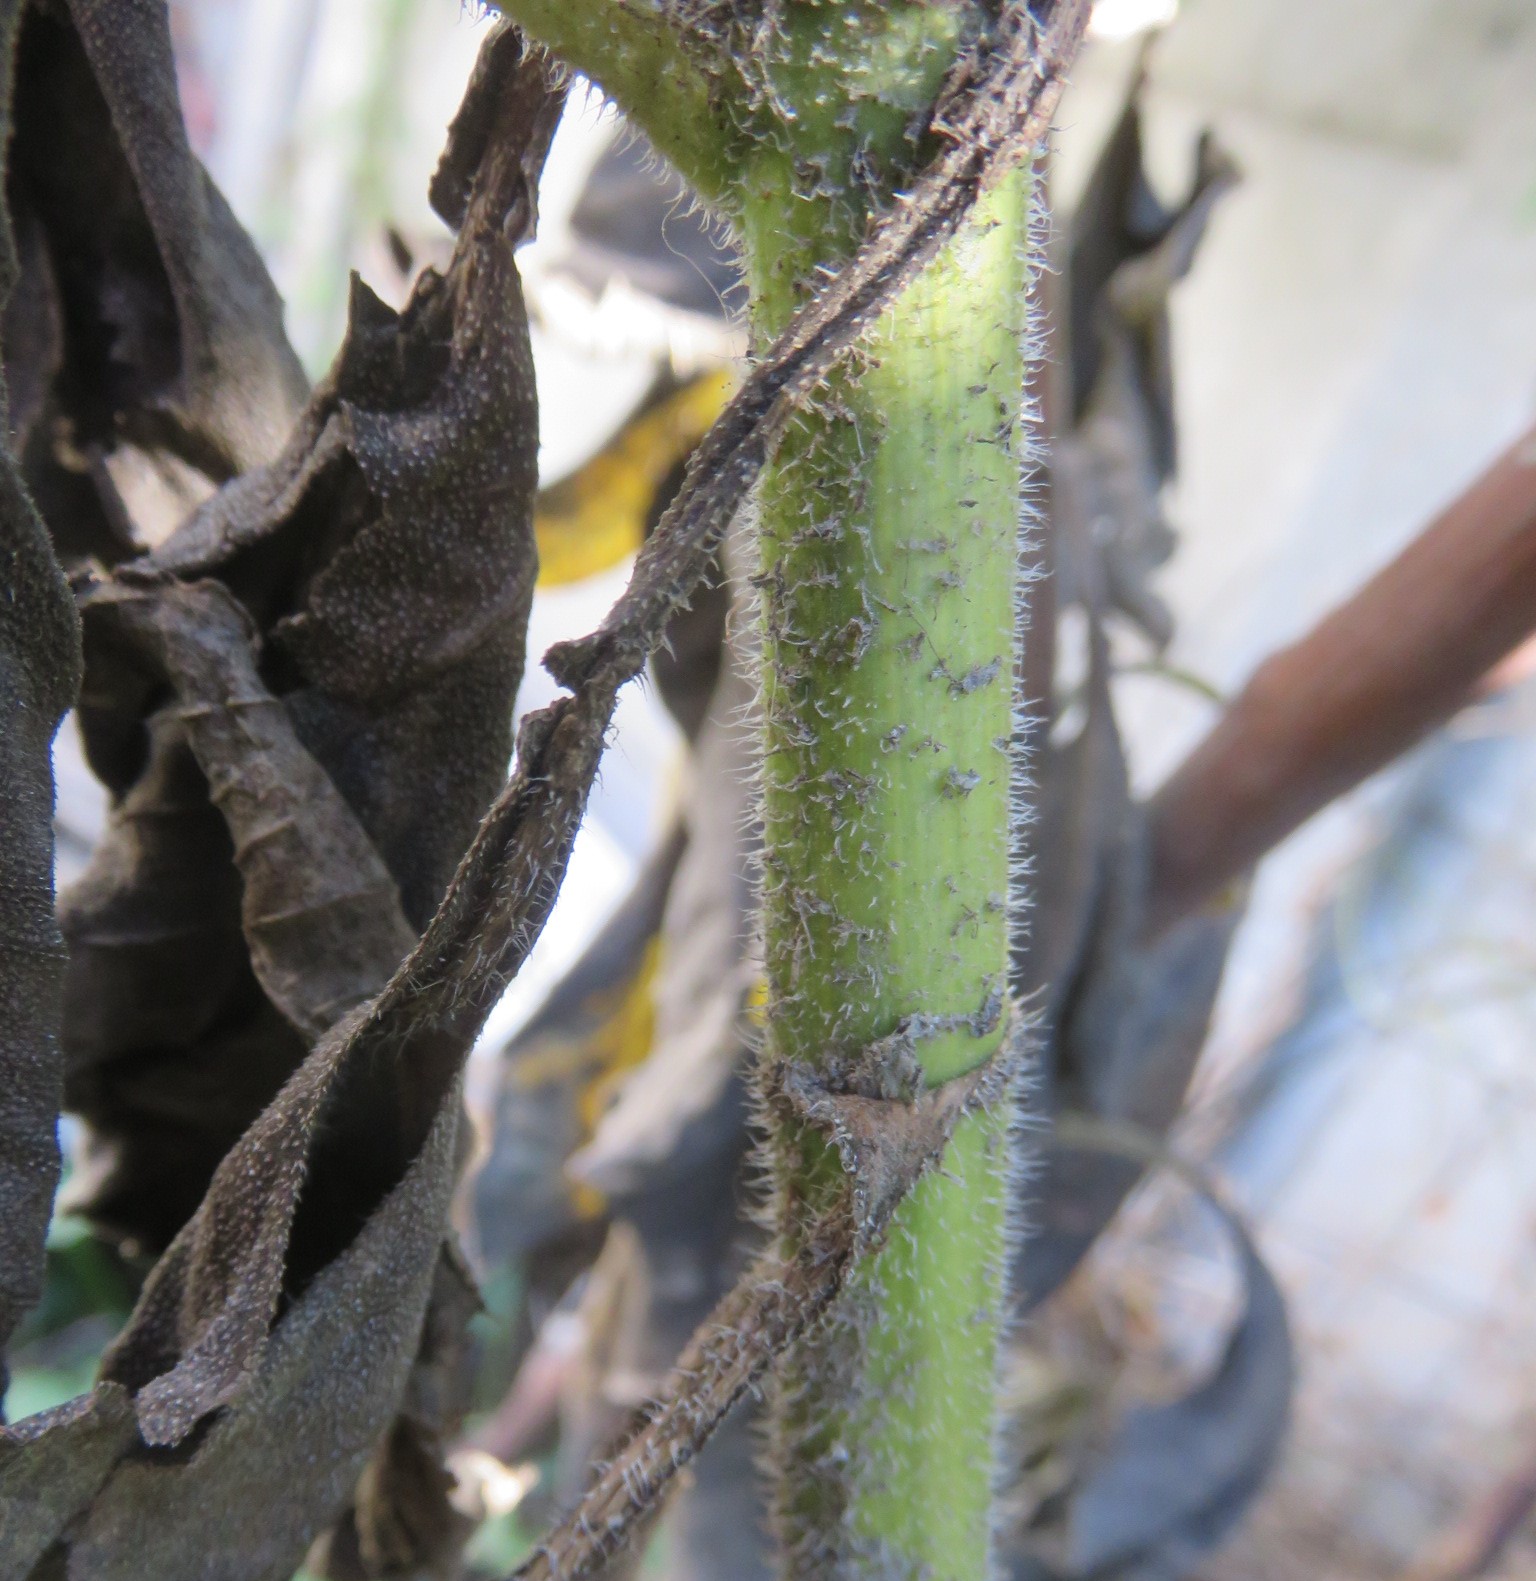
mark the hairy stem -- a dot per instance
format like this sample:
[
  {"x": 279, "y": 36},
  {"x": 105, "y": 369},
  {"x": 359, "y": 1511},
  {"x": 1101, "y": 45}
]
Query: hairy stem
[
  {"x": 634, "y": 51},
  {"x": 888, "y": 560},
  {"x": 888, "y": 576}
]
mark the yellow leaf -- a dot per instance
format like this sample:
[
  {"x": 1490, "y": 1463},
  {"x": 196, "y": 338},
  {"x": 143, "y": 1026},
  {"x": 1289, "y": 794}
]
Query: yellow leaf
[{"x": 591, "y": 520}]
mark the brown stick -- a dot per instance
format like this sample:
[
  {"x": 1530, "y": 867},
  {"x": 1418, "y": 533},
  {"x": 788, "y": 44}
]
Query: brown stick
[
  {"x": 1317, "y": 718},
  {"x": 1475, "y": 1544}
]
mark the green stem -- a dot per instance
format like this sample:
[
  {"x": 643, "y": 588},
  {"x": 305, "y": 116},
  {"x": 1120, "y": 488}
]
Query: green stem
[
  {"x": 888, "y": 568},
  {"x": 635, "y": 54}
]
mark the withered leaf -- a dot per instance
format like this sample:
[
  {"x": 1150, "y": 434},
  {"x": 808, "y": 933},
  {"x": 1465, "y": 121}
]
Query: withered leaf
[
  {"x": 283, "y": 1459},
  {"x": 1125, "y": 1016},
  {"x": 401, "y": 1521},
  {"x": 172, "y": 1046},
  {"x": 39, "y": 665},
  {"x": 39, "y": 674},
  {"x": 325, "y": 931},
  {"x": 1170, "y": 1480},
  {"x": 1177, "y": 1477},
  {"x": 51, "y": 1467},
  {"x": 387, "y": 553},
  {"x": 1126, "y": 251},
  {"x": 1120, "y": 221},
  {"x": 1124, "y": 1049},
  {"x": 145, "y": 341},
  {"x": 429, "y": 424},
  {"x": 386, "y": 558},
  {"x": 320, "y": 912}
]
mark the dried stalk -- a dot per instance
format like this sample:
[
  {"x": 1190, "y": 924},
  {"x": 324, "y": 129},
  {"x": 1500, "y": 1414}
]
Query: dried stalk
[{"x": 1398, "y": 658}]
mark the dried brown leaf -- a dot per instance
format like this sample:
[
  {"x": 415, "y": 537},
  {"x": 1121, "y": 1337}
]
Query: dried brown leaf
[
  {"x": 38, "y": 667},
  {"x": 39, "y": 673},
  {"x": 426, "y": 435},
  {"x": 386, "y": 557},
  {"x": 275, "y": 1468},
  {"x": 53, "y": 1464},
  {"x": 320, "y": 912},
  {"x": 145, "y": 341}
]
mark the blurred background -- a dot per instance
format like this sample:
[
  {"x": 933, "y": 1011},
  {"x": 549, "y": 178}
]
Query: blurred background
[{"x": 1355, "y": 342}]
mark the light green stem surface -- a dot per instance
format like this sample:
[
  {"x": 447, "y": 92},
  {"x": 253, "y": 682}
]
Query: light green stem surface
[
  {"x": 888, "y": 554},
  {"x": 888, "y": 582},
  {"x": 630, "y": 50}
]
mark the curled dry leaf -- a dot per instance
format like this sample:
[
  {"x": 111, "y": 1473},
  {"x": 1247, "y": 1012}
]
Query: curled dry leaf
[
  {"x": 1126, "y": 251},
  {"x": 39, "y": 661},
  {"x": 386, "y": 558},
  {"x": 320, "y": 911},
  {"x": 39, "y": 672},
  {"x": 325, "y": 930},
  {"x": 300, "y": 750},
  {"x": 52, "y": 1465},
  {"x": 1177, "y": 1477},
  {"x": 144, "y": 342},
  {"x": 280, "y": 1463},
  {"x": 401, "y": 1520}
]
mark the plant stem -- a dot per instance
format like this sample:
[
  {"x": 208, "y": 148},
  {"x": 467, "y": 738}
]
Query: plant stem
[
  {"x": 889, "y": 544},
  {"x": 888, "y": 566},
  {"x": 631, "y": 50}
]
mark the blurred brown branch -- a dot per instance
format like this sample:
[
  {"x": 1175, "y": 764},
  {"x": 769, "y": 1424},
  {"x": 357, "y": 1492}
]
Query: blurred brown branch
[
  {"x": 1397, "y": 659},
  {"x": 1475, "y": 1543}
]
